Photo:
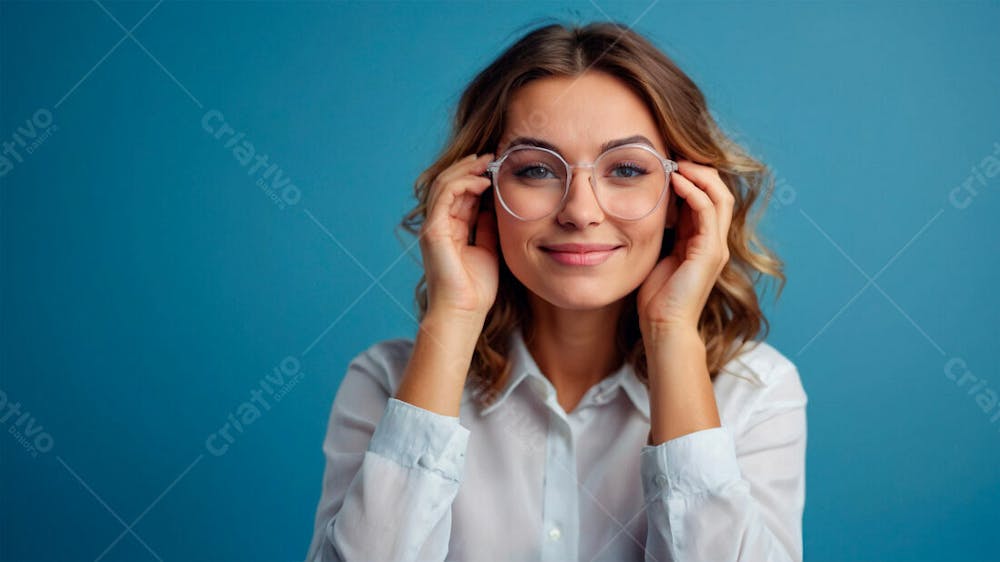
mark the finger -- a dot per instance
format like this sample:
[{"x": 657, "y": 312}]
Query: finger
[
  {"x": 444, "y": 184},
  {"x": 458, "y": 202},
  {"x": 470, "y": 165},
  {"x": 703, "y": 211},
  {"x": 465, "y": 205},
  {"x": 661, "y": 273},
  {"x": 708, "y": 180}
]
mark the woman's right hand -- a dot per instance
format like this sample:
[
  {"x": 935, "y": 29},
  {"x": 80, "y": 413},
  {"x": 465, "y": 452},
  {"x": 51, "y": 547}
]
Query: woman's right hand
[{"x": 461, "y": 279}]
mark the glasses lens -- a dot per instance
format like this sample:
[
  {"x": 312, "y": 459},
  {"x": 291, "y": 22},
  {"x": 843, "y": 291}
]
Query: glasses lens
[
  {"x": 531, "y": 182},
  {"x": 630, "y": 182}
]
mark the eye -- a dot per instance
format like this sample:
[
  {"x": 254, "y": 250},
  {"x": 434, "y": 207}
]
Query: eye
[
  {"x": 533, "y": 172},
  {"x": 629, "y": 169}
]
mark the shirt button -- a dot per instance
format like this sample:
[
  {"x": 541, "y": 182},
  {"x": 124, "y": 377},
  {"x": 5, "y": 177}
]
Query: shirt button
[
  {"x": 555, "y": 534},
  {"x": 660, "y": 480},
  {"x": 426, "y": 460}
]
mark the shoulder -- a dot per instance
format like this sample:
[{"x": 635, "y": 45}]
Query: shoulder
[
  {"x": 760, "y": 395},
  {"x": 384, "y": 361},
  {"x": 761, "y": 377},
  {"x": 759, "y": 363}
]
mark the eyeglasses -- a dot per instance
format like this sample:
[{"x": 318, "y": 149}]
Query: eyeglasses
[{"x": 629, "y": 181}]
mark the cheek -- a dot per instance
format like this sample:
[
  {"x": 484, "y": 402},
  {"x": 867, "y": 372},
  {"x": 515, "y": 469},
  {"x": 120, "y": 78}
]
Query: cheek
[
  {"x": 648, "y": 246},
  {"x": 658, "y": 234},
  {"x": 512, "y": 237},
  {"x": 505, "y": 230},
  {"x": 651, "y": 245}
]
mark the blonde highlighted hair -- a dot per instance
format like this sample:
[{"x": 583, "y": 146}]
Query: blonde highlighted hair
[{"x": 732, "y": 315}]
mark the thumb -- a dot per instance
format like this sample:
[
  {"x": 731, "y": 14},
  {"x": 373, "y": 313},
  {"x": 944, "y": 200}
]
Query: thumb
[{"x": 657, "y": 278}]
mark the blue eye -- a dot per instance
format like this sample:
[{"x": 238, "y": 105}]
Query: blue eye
[
  {"x": 532, "y": 172},
  {"x": 631, "y": 168}
]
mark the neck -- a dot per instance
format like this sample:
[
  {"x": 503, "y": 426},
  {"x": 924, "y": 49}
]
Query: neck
[{"x": 575, "y": 349}]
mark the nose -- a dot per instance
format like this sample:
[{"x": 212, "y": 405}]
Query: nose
[{"x": 580, "y": 207}]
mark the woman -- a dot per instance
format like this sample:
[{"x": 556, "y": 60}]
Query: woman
[{"x": 585, "y": 383}]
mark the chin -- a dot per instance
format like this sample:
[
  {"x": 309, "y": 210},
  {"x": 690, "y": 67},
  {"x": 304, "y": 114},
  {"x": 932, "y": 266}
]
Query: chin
[{"x": 580, "y": 294}]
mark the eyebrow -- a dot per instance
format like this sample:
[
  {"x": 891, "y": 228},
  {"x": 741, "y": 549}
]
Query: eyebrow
[{"x": 532, "y": 141}]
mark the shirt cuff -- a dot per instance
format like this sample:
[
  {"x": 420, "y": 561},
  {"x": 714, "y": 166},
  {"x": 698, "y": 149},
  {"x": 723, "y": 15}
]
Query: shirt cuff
[
  {"x": 418, "y": 438},
  {"x": 690, "y": 464}
]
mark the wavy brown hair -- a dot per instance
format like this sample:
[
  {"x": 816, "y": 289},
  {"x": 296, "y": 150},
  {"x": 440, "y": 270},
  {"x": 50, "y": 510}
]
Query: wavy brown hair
[{"x": 732, "y": 315}]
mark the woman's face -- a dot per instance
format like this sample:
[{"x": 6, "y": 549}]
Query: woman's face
[{"x": 578, "y": 115}]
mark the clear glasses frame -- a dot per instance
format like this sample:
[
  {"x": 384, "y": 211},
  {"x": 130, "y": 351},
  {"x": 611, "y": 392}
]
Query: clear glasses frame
[{"x": 493, "y": 168}]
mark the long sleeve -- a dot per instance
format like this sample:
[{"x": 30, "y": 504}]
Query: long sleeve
[
  {"x": 388, "y": 486},
  {"x": 713, "y": 498}
]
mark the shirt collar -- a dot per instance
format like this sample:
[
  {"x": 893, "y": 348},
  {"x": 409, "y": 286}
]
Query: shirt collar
[{"x": 523, "y": 366}]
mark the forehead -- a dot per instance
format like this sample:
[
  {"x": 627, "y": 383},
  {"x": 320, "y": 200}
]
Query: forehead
[{"x": 578, "y": 114}]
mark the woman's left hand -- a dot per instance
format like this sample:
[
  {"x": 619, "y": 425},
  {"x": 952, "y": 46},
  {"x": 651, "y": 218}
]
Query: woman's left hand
[{"x": 675, "y": 292}]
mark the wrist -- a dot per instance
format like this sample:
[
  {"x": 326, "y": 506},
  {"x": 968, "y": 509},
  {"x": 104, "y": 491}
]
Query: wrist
[
  {"x": 681, "y": 393},
  {"x": 681, "y": 355},
  {"x": 437, "y": 370},
  {"x": 456, "y": 331},
  {"x": 670, "y": 335},
  {"x": 463, "y": 319}
]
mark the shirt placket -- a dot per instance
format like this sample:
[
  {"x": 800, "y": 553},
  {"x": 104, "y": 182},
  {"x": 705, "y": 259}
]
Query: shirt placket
[{"x": 561, "y": 513}]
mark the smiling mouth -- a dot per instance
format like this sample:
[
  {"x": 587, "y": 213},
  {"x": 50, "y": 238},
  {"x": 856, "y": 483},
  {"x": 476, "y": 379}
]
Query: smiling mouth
[
  {"x": 586, "y": 258},
  {"x": 550, "y": 250}
]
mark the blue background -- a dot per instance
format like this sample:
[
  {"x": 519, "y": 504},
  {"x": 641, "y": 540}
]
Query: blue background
[{"x": 148, "y": 285}]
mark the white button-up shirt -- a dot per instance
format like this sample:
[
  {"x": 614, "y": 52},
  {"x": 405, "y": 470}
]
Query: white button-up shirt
[{"x": 523, "y": 480}]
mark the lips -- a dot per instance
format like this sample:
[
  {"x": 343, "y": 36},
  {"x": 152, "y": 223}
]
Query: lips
[
  {"x": 580, "y": 248},
  {"x": 581, "y": 254}
]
